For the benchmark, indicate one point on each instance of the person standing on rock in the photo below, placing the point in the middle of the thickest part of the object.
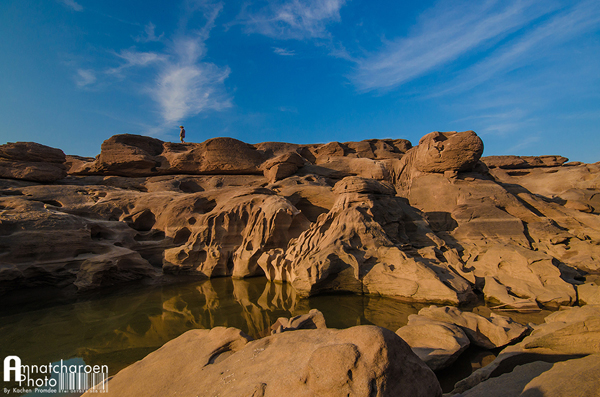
(181, 134)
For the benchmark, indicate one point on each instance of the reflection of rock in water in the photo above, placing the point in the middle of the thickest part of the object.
(388, 313)
(120, 328)
(251, 305)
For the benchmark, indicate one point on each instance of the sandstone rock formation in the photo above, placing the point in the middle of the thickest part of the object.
(566, 334)
(437, 343)
(32, 162)
(312, 320)
(358, 361)
(429, 223)
(541, 378)
(438, 335)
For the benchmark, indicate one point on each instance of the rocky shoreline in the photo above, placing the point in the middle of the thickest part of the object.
(435, 223)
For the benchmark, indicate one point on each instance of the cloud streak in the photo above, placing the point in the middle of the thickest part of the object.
(283, 51)
(72, 4)
(85, 77)
(149, 34)
(445, 33)
(186, 85)
(531, 46)
(296, 19)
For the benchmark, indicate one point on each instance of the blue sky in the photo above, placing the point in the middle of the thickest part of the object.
(523, 74)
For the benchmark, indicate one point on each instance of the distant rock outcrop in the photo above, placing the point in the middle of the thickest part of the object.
(430, 223)
(31, 161)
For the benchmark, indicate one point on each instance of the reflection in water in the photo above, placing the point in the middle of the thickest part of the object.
(121, 328)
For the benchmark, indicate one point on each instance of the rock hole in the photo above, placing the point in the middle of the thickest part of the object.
(373, 388)
(143, 221)
(182, 255)
(219, 356)
(118, 244)
(182, 236)
(202, 205)
(192, 221)
(100, 233)
(230, 264)
(190, 187)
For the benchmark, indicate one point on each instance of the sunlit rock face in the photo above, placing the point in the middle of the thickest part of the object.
(566, 336)
(359, 361)
(430, 223)
(361, 245)
(32, 161)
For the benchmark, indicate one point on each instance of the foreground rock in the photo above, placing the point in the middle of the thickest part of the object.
(438, 335)
(359, 361)
(566, 334)
(541, 378)
(437, 343)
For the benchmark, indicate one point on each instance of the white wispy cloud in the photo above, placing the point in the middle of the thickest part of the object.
(181, 83)
(134, 58)
(531, 46)
(446, 32)
(524, 143)
(85, 77)
(149, 34)
(296, 19)
(187, 86)
(72, 4)
(283, 51)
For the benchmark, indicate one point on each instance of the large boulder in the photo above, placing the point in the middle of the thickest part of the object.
(448, 151)
(31, 161)
(360, 361)
(495, 331)
(42, 246)
(437, 343)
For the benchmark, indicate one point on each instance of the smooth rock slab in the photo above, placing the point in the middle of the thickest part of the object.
(437, 343)
(359, 361)
(488, 333)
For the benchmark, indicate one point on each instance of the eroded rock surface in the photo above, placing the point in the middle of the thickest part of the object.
(566, 334)
(31, 161)
(430, 223)
(359, 361)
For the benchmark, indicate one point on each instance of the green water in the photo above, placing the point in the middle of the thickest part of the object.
(121, 327)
